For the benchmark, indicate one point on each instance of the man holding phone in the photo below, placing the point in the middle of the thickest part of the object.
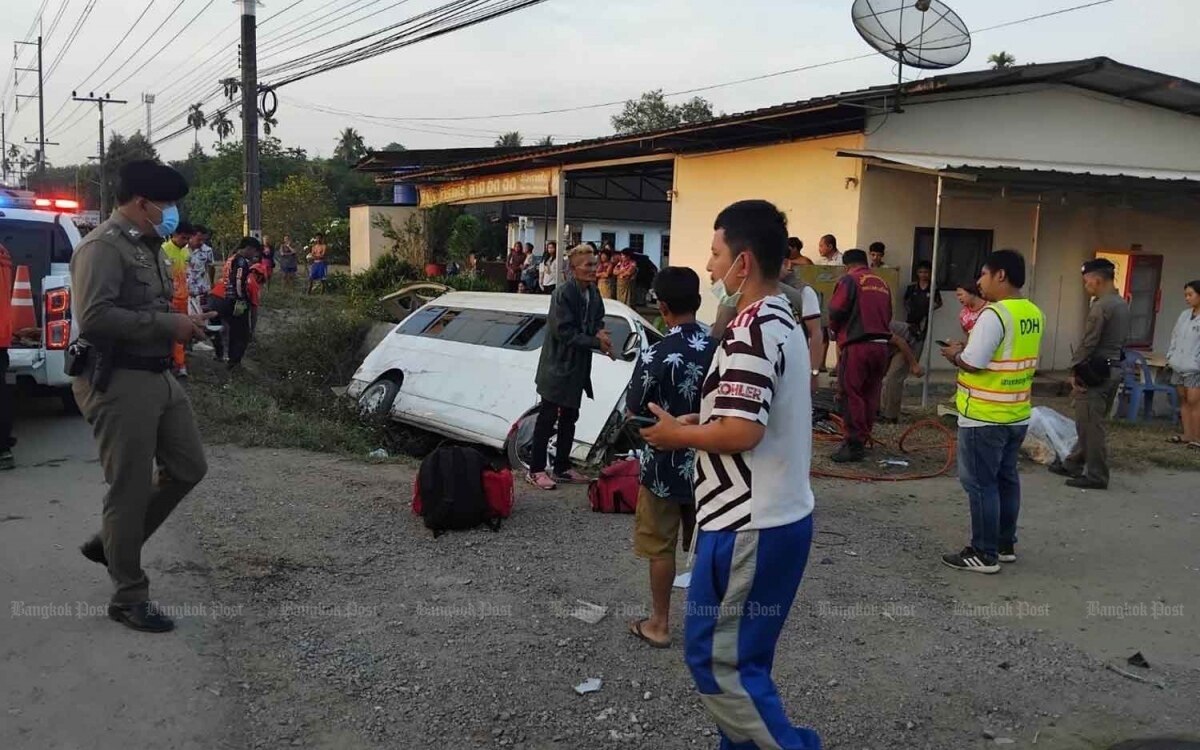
(669, 375)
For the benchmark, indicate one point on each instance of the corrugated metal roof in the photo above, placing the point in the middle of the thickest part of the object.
(968, 164)
(1100, 74)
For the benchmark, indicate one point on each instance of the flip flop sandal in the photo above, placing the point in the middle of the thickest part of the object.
(1194, 445)
(1175, 439)
(635, 629)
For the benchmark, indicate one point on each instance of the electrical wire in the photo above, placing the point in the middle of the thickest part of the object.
(62, 10)
(83, 17)
(948, 444)
(100, 86)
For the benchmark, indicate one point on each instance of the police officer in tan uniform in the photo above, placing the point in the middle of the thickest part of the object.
(140, 415)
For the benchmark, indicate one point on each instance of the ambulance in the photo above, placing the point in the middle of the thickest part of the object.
(40, 236)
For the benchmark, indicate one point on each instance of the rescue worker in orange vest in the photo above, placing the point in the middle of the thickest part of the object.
(860, 318)
(175, 248)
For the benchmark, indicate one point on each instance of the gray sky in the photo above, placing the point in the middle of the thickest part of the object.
(563, 53)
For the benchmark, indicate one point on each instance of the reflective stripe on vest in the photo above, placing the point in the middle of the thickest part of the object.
(1001, 393)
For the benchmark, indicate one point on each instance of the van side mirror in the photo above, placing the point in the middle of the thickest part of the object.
(633, 345)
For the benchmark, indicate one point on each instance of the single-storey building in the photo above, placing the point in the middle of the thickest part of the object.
(1060, 161)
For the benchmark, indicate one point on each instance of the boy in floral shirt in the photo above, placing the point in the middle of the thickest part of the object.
(669, 374)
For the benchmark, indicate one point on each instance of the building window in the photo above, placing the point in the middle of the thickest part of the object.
(666, 250)
(637, 242)
(610, 239)
(960, 256)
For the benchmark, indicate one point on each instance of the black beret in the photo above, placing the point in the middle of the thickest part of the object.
(152, 181)
(854, 257)
(1101, 265)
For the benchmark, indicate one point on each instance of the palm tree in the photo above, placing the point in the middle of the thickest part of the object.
(1001, 60)
(268, 122)
(220, 122)
(547, 141)
(230, 87)
(196, 119)
(350, 146)
(509, 140)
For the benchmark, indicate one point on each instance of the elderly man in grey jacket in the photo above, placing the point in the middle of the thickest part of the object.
(574, 327)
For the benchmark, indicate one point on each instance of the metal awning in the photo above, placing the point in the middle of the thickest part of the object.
(977, 167)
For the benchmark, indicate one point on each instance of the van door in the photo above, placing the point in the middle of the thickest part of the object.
(610, 380)
(469, 372)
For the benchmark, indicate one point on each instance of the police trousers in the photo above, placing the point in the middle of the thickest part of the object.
(143, 418)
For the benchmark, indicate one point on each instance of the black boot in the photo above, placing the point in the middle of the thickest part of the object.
(143, 617)
(849, 452)
(93, 549)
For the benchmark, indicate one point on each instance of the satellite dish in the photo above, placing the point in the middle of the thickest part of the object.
(917, 33)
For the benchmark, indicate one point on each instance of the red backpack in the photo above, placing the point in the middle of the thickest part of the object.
(616, 491)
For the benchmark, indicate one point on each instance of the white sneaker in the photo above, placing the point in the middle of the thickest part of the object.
(202, 346)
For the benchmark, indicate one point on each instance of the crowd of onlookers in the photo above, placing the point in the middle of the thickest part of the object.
(616, 272)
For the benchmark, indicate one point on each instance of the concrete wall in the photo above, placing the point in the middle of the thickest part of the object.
(1073, 228)
(367, 242)
(805, 179)
(1052, 123)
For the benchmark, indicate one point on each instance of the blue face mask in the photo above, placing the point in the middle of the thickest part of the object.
(170, 220)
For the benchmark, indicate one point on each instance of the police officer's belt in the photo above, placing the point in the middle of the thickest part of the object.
(123, 361)
(1096, 371)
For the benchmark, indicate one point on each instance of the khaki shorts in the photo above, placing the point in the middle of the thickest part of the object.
(657, 523)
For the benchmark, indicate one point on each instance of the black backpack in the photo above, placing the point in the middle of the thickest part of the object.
(450, 481)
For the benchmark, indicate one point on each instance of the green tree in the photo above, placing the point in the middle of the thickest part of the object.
(350, 146)
(300, 206)
(196, 119)
(509, 140)
(547, 141)
(463, 237)
(652, 112)
(221, 123)
(1001, 60)
(394, 146)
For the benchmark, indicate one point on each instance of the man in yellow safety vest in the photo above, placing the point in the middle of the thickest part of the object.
(995, 381)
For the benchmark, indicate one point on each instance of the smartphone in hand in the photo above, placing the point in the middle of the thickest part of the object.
(642, 421)
(942, 343)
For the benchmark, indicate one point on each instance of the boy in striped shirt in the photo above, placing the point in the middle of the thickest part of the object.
(754, 503)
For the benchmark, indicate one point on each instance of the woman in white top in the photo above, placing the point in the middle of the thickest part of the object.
(548, 278)
(1184, 360)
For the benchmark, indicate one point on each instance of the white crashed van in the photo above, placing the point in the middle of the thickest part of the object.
(463, 366)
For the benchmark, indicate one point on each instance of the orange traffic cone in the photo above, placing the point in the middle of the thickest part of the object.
(22, 301)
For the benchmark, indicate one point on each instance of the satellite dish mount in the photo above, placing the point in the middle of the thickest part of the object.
(923, 34)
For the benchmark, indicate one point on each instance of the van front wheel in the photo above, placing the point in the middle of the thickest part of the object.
(377, 399)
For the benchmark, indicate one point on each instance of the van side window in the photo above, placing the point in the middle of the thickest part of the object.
(530, 335)
(420, 321)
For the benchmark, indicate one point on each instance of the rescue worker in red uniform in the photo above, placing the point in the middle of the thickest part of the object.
(860, 317)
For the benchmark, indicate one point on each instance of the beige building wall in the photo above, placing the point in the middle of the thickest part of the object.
(1073, 228)
(367, 243)
(806, 179)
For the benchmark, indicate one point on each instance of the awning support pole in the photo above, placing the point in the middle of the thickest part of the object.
(1037, 234)
(933, 293)
(561, 240)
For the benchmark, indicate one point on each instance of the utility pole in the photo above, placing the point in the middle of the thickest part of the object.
(3, 147)
(148, 99)
(101, 101)
(41, 153)
(252, 201)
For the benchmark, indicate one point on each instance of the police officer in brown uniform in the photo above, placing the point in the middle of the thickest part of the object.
(138, 412)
